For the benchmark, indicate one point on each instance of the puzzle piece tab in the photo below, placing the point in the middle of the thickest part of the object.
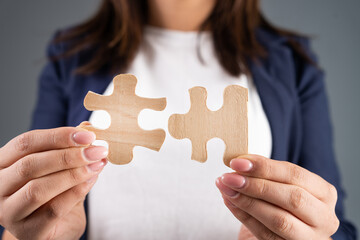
(124, 107)
(230, 123)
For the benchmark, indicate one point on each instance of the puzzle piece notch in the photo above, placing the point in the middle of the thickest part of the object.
(200, 124)
(124, 132)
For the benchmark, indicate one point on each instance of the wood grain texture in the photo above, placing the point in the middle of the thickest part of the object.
(229, 123)
(124, 107)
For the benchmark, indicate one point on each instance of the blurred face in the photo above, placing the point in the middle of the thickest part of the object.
(186, 15)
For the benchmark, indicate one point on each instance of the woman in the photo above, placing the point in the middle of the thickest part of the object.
(165, 195)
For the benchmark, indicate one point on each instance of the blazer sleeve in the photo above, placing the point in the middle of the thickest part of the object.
(51, 109)
(317, 153)
(51, 106)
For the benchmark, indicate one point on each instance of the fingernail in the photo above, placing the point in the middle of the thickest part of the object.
(95, 153)
(233, 180)
(226, 190)
(241, 165)
(97, 166)
(84, 137)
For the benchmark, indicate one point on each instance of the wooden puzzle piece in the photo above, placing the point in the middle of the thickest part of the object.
(200, 124)
(124, 107)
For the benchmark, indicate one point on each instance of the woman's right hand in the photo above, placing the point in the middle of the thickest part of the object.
(44, 178)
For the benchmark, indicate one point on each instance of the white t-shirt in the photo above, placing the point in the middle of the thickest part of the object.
(165, 194)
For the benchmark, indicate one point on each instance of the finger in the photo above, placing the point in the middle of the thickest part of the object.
(40, 164)
(246, 234)
(39, 191)
(257, 228)
(284, 172)
(277, 220)
(43, 140)
(58, 208)
(8, 236)
(84, 124)
(292, 198)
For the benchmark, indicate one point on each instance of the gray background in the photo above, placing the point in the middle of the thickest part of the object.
(26, 26)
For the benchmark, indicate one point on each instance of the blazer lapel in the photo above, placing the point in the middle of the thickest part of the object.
(274, 78)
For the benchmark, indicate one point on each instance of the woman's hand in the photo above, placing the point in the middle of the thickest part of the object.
(244, 234)
(44, 178)
(279, 200)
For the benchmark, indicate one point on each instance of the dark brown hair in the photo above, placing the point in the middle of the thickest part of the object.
(115, 33)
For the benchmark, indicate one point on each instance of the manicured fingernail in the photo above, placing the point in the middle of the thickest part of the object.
(95, 153)
(84, 137)
(233, 180)
(241, 165)
(97, 166)
(226, 190)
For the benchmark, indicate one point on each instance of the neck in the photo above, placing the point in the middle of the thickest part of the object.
(182, 15)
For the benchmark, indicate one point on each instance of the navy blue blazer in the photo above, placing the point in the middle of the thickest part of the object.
(291, 90)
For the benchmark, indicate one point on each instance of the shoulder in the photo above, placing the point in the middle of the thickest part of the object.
(63, 64)
(59, 52)
(290, 59)
(274, 41)
(295, 48)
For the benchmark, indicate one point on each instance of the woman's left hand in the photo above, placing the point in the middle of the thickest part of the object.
(279, 200)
